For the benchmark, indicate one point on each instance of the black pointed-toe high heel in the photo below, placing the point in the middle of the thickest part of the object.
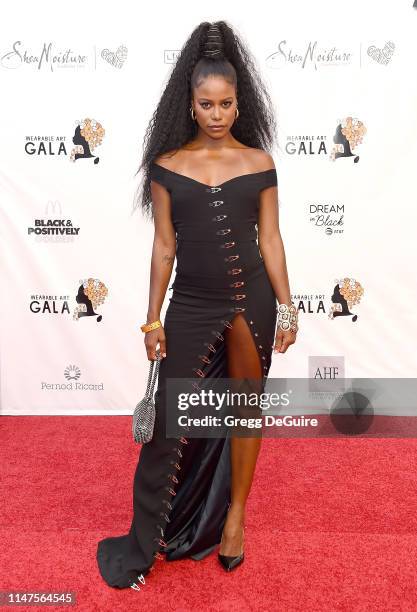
(229, 563)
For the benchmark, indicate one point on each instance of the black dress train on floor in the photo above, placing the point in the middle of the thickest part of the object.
(181, 489)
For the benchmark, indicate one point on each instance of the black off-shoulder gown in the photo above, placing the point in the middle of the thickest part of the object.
(181, 489)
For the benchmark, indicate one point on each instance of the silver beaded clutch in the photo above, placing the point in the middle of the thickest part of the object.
(144, 414)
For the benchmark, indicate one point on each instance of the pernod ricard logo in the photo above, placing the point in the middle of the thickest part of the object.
(347, 136)
(88, 135)
(72, 372)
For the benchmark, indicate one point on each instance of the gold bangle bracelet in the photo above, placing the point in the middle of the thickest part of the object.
(150, 326)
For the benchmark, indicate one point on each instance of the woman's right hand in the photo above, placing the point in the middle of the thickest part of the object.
(152, 338)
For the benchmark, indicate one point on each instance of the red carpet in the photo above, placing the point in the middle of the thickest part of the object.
(331, 523)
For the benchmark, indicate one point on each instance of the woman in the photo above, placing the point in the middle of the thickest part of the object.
(210, 181)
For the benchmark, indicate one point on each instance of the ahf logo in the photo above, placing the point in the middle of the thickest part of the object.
(326, 367)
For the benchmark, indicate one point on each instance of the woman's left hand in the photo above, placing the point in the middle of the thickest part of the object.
(284, 339)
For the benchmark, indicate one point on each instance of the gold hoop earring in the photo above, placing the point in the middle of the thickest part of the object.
(192, 110)
(237, 113)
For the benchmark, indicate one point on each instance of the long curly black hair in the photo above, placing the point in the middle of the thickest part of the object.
(212, 49)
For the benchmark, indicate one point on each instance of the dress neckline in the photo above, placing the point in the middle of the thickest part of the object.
(189, 178)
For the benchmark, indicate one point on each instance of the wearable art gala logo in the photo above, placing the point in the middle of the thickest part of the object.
(88, 135)
(348, 134)
(346, 294)
(91, 294)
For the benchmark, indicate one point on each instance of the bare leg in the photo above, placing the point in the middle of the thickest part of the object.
(243, 362)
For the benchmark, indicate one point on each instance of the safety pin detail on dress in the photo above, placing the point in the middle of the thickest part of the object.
(170, 490)
(238, 296)
(205, 359)
(141, 579)
(226, 323)
(235, 271)
(199, 371)
(217, 334)
(161, 542)
(214, 189)
(260, 346)
(210, 347)
(219, 218)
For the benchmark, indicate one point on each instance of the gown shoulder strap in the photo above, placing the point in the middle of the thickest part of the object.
(269, 178)
(160, 175)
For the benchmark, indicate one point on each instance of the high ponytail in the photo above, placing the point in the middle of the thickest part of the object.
(213, 49)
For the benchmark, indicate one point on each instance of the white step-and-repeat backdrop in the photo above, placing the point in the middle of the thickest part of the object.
(343, 81)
